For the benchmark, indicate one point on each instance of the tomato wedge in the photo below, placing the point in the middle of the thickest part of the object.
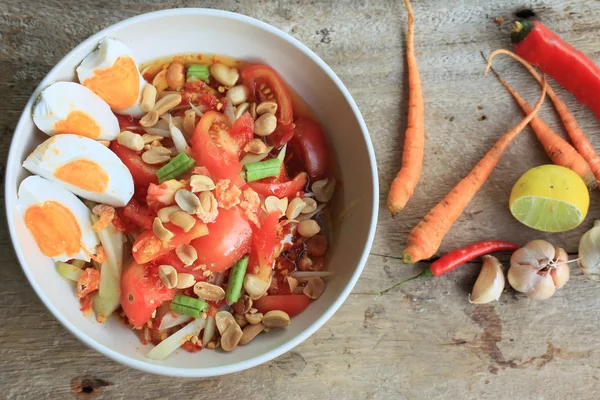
(143, 174)
(264, 240)
(287, 189)
(148, 247)
(242, 130)
(215, 148)
(136, 214)
(292, 304)
(142, 292)
(310, 145)
(265, 84)
(228, 241)
(282, 135)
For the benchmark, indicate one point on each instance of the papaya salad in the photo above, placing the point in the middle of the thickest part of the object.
(187, 197)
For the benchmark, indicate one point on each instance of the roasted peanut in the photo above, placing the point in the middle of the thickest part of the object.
(168, 276)
(308, 228)
(156, 155)
(266, 107)
(150, 119)
(265, 124)
(183, 220)
(187, 254)
(131, 140)
(176, 75)
(276, 319)
(160, 231)
(148, 98)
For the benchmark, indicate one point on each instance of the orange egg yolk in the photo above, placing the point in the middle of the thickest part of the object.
(118, 85)
(84, 174)
(54, 228)
(79, 123)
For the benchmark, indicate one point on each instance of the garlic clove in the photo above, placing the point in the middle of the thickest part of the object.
(536, 253)
(544, 289)
(490, 282)
(560, 274)
(523, 278)
(589, 252)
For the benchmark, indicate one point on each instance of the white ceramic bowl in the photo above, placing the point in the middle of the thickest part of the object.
(170, 32)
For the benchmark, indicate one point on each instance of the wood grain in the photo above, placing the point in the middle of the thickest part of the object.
(424, 341)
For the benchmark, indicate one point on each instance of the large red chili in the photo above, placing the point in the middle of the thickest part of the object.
(565, 64)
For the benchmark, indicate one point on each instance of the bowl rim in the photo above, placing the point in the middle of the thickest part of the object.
(13, 164)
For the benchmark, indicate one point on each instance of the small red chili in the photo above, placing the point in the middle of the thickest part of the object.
(457, 258)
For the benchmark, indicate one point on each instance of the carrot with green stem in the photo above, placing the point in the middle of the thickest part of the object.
(580, 141)
(405, 182)
(425, 238)
(558, 149)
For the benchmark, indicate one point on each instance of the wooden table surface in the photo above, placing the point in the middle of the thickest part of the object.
(424, 341)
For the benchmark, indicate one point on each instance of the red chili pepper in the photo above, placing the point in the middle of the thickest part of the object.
(565, 64)
(457, 258)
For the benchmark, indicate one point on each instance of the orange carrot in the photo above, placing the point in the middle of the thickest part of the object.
(558, 149)
(405, 182)
(425, 238)
(580, 141)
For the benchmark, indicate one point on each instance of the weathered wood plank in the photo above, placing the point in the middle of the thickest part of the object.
(422, 341)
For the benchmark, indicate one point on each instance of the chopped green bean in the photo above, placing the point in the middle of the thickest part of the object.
(263, 169)
(176, 167)
(198, 71)
(236, 279)
(188, 305)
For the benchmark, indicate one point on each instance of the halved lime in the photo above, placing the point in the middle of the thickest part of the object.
(550, 198)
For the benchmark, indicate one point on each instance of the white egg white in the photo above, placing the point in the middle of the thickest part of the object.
(104, 57)
(59, 150)
(35, 190)
(60, 99)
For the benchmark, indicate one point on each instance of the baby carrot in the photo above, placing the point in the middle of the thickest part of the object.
(405, 182)
(580, 141)
(559, 150)
(425, 238)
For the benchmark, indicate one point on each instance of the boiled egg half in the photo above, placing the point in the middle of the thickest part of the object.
(111, 72)
(59, 222)
(68, 107)
(83, 166)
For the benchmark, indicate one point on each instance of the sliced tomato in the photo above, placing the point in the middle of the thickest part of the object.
(310, 145)
(287, 189)
(148, 247)
(264, 240)
(143, 174)
(228, 240)
(282, 135)
(215, 148)
(136, 214)
(265, 84)
(242, 130)
(292, 304)
(142, 292)
(172, 259)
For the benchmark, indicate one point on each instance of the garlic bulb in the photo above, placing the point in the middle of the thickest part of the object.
(538, 269)
(589, 252)
(490, 282)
